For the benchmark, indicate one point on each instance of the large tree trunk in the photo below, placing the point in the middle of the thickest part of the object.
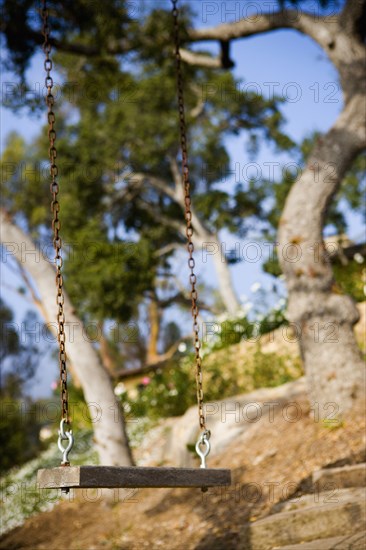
(324, 318)
(108, 423)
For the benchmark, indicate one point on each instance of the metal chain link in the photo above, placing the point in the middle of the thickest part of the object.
(55, 209)
(188, 218)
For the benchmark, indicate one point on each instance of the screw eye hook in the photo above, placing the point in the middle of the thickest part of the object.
(65, 436)
(203, 441)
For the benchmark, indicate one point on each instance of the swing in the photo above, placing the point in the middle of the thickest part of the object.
(65, 476)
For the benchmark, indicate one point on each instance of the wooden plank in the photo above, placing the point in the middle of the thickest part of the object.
(89, 477)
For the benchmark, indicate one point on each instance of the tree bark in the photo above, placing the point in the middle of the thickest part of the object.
(224, 279)
(152, 353)
(324, 318)
(109, 429)
(105, 352)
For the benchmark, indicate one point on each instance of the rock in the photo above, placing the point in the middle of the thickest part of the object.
(311, 519)
(333, 495)
(230, 419)
(349, 542)
(347, 476)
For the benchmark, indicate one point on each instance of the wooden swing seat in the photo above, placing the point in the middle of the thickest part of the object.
(96, 477)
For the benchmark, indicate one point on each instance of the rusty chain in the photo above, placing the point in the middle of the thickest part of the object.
(56, 225)
(55, 209)
(188, 218)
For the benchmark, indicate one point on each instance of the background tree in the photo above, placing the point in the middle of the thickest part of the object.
(133, 183)
(109, 429)
(334, 369)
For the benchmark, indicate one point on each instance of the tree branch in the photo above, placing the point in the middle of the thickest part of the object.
(177, 177)
(116, 47)
(166, 249)
(158, 183)
(353, 18)
(158, 363)
(316, 27)
(169, 222)
(200, 60)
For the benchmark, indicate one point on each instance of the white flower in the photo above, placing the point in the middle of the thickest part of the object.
(119, 389)
(255, 287)
(247, 307)
(281, 302)
(222, 317)
(133, 393)
(182, 347)
(45, 433)
(358, 258)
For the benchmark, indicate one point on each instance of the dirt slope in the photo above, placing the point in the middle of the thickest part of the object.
(271, 461)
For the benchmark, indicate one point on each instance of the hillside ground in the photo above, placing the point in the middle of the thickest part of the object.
(271, 462)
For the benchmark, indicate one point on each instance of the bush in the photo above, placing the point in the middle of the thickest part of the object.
(18, 434)
(227, 372)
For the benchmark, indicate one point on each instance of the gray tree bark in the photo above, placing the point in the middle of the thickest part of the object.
(108, 423)
(211, 246)
(323, 318)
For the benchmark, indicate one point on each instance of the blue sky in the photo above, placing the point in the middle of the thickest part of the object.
(284, 61)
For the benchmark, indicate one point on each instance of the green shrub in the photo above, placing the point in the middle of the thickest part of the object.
(172, 390)
(18, 434)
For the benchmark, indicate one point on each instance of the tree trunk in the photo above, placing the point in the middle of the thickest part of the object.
(105, 352)
(109, 429)
(324, 318)
(224, 279)
(152, 352)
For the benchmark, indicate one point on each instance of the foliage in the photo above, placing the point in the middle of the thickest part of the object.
(107, 279)
(351, 279)
(124, 122)
(97, 33)
(10, 345)
(78, 409)
(233, 331)
(163, 394)
(171, 391)
(18, 362)
(18, 433)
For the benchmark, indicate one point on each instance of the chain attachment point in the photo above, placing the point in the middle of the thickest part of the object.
(203, 441)
(65, 436)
